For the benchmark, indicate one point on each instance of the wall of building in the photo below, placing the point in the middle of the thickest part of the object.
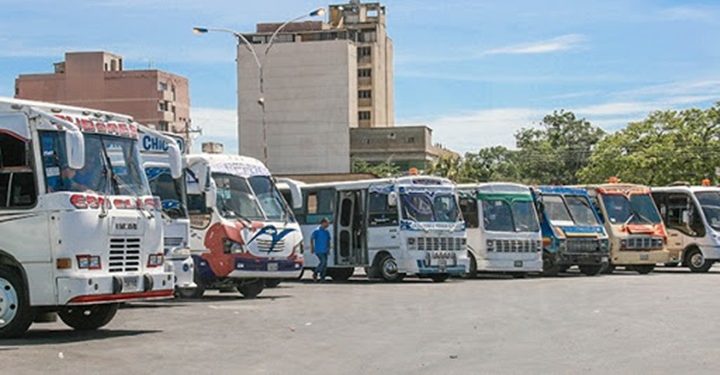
(405, 146)
(310, 101)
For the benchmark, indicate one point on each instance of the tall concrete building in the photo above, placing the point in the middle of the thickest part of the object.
(98, 80)
(320, 80)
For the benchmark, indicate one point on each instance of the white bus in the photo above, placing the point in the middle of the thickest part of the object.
(502, 228)
(173, 203)
(241, 230)
(692, 217)
(79, 228)
(392, 227)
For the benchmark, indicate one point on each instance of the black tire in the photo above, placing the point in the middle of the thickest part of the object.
(518, 275)
(591, 270)
(472, 271)
(251, 288)
(609, 269)
(192, 293)
(696, 262)
(643, 269)
(14, 304)
(341, 274)
(440, 277)
(672, 264)
(272, 283)
(387, 269)
(90, 317)
(550, 265)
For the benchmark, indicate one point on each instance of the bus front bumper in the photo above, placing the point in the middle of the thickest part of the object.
(625, 257)
(183, 270)
(582, 259)
(89, 289)
(267, 269)
(510, 265)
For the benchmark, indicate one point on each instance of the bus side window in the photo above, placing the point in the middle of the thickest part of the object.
(379, 213)
(469, 208)
(679, 205)
(18, 188)
(318, 205)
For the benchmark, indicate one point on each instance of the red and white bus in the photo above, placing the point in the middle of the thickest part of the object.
(80, 231)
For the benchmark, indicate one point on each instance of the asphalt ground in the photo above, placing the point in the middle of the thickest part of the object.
(665, 322)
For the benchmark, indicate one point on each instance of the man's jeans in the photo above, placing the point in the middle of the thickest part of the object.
(321, 268)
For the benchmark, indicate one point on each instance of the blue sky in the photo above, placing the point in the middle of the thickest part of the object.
(476, 71)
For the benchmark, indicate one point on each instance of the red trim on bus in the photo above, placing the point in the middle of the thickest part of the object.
(122, 296)
(13, 134)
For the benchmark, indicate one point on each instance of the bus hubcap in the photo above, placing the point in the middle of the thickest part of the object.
(390, 267)
(697, 260)
(8, 302)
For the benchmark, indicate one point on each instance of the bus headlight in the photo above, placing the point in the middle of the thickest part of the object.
(299, 248)
(155, 260)
(89, 262)
(411, 243)
(232, 247)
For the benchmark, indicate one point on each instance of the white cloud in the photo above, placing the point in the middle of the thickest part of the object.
(218, 125)
(557, 44)
(687, 13)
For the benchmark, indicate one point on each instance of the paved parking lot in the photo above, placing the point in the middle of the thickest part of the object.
(661, 323)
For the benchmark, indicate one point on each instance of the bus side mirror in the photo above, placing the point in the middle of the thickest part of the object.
(392, 199)
(540, 207)
(211, 195)
(686, 217)
(75, 149)
(176, 169)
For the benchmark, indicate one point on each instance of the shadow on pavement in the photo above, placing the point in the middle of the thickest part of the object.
(222, 297)
(51, 337)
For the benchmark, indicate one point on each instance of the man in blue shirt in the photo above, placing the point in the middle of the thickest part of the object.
(320, 246)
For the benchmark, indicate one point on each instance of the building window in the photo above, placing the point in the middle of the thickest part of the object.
(364, 115)
(411, 140)
(163, 126)
(163, 106)
(364, 72)
(368, 36)
(162, 86)
(17, 90)
(364, 94)
(364, 52)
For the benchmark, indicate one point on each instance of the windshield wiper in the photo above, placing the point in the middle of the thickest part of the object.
(421, 225)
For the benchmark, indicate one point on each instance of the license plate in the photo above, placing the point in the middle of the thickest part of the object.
(272, 267)
(518, 263)
(126, 226)
(442, 264)
(130, 283)
(644, 257)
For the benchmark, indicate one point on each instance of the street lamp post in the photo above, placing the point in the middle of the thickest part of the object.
(241, 39)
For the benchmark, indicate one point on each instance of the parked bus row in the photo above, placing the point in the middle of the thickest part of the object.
(96, 210)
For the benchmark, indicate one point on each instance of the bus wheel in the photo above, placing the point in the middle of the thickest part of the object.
(472, 268)
(341, 274)
(642, 269)
(251, 288)
(15, 312)
(88, 318)
(192, 293)
(609, 269)
(696, 261)
(272, 283)
(591, 270)
(388, 269)
(550, 265)
(439, 278)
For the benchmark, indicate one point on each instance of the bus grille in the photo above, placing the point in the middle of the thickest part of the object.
(124, 255)
(514, 246)
(172, 242)
(641, 243)
(441, 243)
(582, 245)
(265, 246)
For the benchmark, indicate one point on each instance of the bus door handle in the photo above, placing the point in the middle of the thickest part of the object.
(674, 235)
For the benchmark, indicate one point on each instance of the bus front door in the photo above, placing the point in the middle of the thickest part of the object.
(350, 231)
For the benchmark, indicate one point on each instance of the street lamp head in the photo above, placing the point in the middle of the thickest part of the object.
(199, 30)
(319, 12)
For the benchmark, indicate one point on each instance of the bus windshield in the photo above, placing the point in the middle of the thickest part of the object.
(580, 210)
(171, 191)
(235, 199)
(425, 207)
(509, 216)
(639, 209)
(271, 202)
(112, 166)
(710, 204)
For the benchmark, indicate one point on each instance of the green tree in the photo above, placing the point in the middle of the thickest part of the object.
(384, 169)
(667, 146)
(497, 163)
(557, 150)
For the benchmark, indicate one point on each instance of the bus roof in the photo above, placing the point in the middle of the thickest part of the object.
(497, 187)
(685, 189)
(13, 105)
(621, 188)
(560, 190)
(404, 180)
(243, 166)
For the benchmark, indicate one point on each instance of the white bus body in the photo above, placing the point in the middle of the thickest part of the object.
(241, 230)
(502, 228)
(171, 191)
(79, 231)
(375, 224)
(692, 219)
